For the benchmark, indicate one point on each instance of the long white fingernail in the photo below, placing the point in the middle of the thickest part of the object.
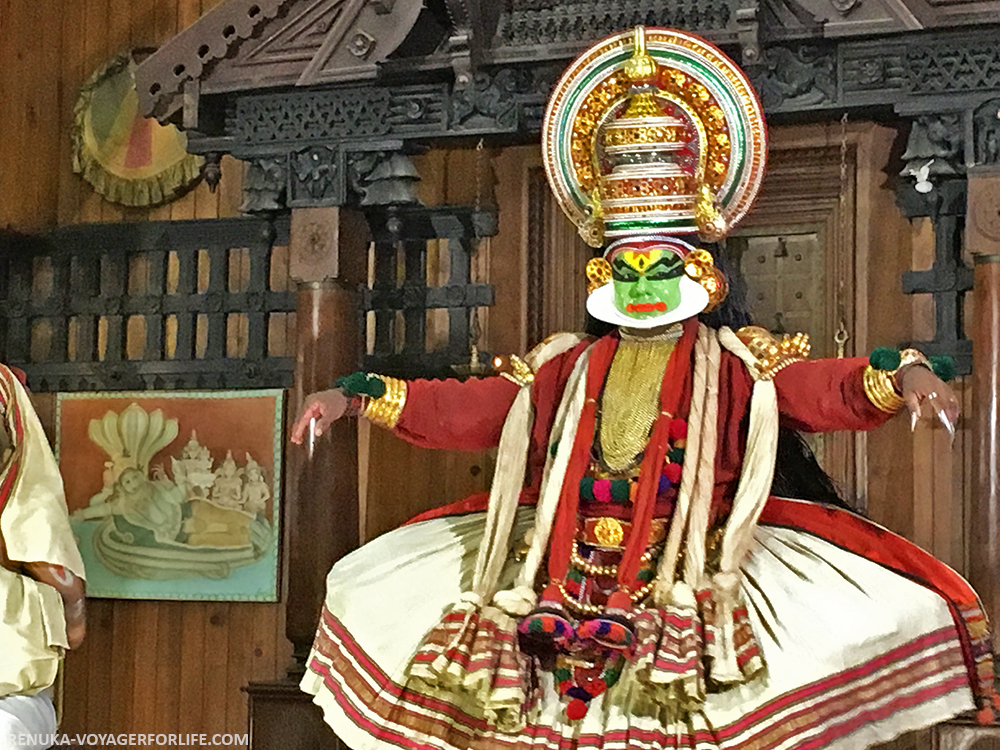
(943, 416)
(312, 437)
(913, 421)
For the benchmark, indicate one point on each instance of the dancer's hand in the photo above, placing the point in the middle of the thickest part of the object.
(920, 385)
(325, 407)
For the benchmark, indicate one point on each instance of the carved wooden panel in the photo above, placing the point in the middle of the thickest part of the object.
(949, 12)
(787, 281)
(318, 42)
(163, 305)
(797, 248)
(538, 29)
(982, 230)
(405, 339)
(186, 55)
(986, 129)
(287, 41)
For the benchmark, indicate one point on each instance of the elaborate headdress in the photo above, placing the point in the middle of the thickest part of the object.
(654, 132)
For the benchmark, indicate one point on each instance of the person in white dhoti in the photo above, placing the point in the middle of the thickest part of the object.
(41, 574)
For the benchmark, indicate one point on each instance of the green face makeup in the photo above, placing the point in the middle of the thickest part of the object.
(646, 283)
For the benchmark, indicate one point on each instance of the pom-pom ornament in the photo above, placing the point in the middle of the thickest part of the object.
(678, 429)
(943, 366)
(361, 384)
(672, 472)
(576, 710)
(884, 358)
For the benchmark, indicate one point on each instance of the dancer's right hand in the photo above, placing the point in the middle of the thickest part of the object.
(325, 407)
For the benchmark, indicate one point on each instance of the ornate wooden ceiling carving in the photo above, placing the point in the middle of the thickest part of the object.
(472, 68)
(311, 94)
(247, 44)
(184, 57)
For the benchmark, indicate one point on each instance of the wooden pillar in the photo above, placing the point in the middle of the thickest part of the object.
(983, 239)
(328, 257)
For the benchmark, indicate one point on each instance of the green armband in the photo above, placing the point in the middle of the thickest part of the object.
(361, 384)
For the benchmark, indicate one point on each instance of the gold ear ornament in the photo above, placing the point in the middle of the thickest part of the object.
(592, 229)
(598, 274)
(700, 266)
(712, 225)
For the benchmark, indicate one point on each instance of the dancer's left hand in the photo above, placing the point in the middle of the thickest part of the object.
(919, 385)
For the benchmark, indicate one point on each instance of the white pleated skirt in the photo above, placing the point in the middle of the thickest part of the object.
(855, 654)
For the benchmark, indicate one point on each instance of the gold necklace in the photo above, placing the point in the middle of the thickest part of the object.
(631, 399)
(592, 609)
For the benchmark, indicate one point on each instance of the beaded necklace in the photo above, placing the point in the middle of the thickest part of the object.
(621, 490)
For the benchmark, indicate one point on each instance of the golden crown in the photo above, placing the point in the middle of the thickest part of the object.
(654, 131)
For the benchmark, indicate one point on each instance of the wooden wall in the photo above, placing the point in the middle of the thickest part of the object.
(48, 48)
(146, 666)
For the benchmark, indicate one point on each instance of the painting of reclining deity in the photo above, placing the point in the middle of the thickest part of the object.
(174, 495)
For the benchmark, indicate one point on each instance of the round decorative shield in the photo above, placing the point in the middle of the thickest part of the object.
(127, 158)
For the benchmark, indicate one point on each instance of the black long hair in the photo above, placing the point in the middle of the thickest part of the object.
(797, 473)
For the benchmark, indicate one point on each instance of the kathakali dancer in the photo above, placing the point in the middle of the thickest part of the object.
(635, 580)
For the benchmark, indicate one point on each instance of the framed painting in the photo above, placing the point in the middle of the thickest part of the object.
(174, 495)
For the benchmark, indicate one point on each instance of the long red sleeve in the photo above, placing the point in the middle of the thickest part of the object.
(824, 395)
(470, 415)
(454, 414)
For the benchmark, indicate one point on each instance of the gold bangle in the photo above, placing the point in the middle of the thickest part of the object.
(912, 357)
(881, 389)
(909, 357)
(385, 410)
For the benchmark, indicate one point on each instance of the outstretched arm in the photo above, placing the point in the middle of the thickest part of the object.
(450, 414)
(825, 395)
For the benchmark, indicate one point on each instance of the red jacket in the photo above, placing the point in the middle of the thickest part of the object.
(813, 396)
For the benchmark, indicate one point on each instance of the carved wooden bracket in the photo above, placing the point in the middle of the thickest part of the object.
(297, 43)
(184, 57)
(940, 150)
(949, 279)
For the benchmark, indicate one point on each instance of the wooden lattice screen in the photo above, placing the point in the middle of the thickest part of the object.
(149, 305)
(407, 336)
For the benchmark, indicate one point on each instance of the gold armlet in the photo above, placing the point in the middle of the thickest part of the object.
(385, 410)
(881, 389)
(520, 371)
(773, 354)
